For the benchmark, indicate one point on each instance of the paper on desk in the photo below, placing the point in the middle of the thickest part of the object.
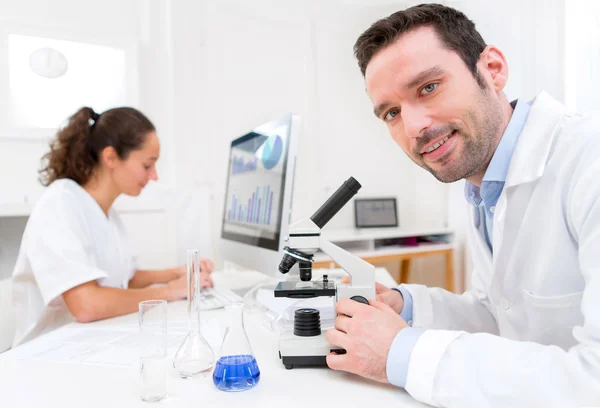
(108, 346)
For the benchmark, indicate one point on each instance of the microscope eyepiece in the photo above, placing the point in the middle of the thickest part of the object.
(335, 203)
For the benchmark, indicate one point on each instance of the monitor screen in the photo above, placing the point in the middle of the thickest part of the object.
(375, 212)
(254, 198)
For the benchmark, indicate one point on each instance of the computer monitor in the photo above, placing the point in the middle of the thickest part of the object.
(258, 195)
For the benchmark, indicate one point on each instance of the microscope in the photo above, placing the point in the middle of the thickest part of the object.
(306, 344)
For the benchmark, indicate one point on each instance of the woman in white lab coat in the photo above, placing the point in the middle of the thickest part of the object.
(75, 261)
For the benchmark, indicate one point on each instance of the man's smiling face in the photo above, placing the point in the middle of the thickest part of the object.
(444, 119)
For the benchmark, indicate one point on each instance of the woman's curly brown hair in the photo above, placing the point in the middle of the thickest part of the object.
(76, 150)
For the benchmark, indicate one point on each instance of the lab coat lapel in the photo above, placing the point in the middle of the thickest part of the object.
(535, 141)
(527, 165)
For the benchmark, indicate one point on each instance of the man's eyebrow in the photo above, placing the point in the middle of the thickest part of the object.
(380, 108)
(425, 75)
(417, 80)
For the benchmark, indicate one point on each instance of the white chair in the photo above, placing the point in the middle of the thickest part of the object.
(7, 318)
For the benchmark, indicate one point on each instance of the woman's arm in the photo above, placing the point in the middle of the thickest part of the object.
(89, 301)
(145, 278)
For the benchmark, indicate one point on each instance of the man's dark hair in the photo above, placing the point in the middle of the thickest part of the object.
(454, 29)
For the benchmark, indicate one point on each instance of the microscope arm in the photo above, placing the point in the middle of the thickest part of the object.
(362, 273)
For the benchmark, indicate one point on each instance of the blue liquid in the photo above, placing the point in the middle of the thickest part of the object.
(236, 373)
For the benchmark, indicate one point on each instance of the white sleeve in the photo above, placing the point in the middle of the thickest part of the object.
(436, 308)
(59, 248)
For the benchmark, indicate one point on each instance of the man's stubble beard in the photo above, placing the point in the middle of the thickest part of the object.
(477, 148)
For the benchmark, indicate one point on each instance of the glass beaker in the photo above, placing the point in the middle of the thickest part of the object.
(236, 368)
(195, 356)
(153, 353)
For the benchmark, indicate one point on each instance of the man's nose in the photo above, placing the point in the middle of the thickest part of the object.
(154, 175)
(416, 120)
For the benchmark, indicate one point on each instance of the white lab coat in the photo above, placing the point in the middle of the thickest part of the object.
(68, 241)
(540, 292)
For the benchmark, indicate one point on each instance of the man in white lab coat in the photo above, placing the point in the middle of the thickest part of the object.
(527, 334)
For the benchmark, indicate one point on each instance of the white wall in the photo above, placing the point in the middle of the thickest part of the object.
(238, 65)
(582, 59)
(209, 71)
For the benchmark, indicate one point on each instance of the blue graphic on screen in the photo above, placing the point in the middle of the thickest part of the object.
(242, 165)
(256, 210)
(272, 151)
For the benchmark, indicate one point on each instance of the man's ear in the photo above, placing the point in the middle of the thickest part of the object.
(493, 66)
(109, 157)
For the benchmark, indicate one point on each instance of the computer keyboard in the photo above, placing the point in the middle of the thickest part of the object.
(217, 297)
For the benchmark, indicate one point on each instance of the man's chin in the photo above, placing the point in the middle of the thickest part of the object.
(446, 175)
(447, 180)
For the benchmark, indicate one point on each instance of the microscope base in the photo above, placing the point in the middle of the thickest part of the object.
(303, 361)
(298, 351)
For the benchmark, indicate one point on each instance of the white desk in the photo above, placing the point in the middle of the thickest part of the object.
(36, 383)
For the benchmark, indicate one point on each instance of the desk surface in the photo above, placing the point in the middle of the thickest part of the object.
(36, 383)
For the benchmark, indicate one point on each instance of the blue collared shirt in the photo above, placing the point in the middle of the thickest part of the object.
(484, 199)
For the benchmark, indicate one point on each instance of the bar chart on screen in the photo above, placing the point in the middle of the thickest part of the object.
(255, 179)
(255, 209)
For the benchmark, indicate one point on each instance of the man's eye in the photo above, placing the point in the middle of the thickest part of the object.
(147, 167)
(391, 114)
(427, 89)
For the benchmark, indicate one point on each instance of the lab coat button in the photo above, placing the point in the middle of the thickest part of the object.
(493, 208)
(504, 304)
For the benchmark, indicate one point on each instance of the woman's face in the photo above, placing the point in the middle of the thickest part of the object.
(132, 174)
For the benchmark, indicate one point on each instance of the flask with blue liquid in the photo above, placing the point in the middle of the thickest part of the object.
(236, 368)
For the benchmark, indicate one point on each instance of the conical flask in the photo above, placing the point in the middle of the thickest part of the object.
(236, 368)
(194, 356)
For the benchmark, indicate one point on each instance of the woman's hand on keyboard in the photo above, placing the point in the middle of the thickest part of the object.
(205, 280)
(206, 265)
(177, 289)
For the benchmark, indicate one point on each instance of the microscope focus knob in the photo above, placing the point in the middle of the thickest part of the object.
(360, 299)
